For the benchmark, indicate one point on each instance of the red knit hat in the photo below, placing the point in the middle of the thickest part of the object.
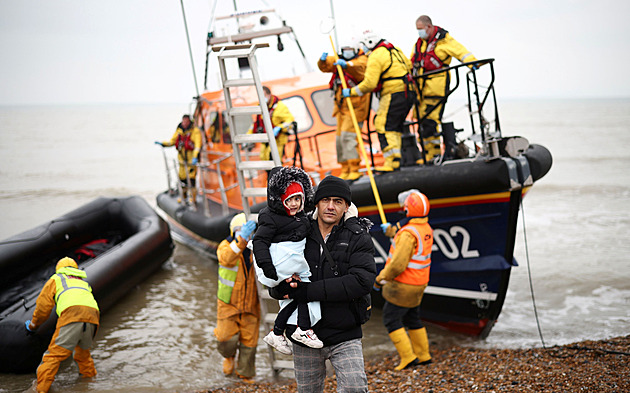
(293, 189)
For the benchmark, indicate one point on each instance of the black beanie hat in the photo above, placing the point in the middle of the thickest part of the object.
(333, 186)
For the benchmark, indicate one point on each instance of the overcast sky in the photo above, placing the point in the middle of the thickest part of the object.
(135, 51)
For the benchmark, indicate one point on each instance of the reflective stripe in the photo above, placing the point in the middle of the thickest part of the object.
(465, 56)
(227, 279)
(421, 258)
(67, 279)
(234, 247)
(64, 284)
(417, 266)
(391, 151)
(226, 282)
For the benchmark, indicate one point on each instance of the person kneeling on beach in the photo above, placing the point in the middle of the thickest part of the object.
(279, 252)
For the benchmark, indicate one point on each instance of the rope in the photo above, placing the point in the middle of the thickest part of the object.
(531, 288)
(192, 62)
(529, 273)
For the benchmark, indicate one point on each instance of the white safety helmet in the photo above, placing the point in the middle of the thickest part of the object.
(349, 50)
(370, 39)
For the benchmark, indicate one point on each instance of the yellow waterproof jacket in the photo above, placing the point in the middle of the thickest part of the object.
(356, 68)
(244, 297)
(395, 292)
(75, 313)
(445, 49)
(194, 135)
(280, 117)
(378, 61)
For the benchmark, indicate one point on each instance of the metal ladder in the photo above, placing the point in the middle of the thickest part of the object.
(248, 51)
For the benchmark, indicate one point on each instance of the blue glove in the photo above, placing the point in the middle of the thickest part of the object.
(475, 67)
(384, 226)
(342, 63)
(376, 287)
(345, 93)
(158, 143)
(195, 161)
(324, 56)
(28, 326)
(276, 130)
(247, 229)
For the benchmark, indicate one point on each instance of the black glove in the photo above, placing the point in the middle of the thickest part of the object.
(299, 295)
(270, 272)
(283, 288)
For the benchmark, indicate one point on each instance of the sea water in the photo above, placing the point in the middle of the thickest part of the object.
(572, 242)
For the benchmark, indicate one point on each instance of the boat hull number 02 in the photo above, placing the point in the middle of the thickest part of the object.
(445, 242)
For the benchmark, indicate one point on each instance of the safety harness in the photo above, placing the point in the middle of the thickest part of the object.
(259, 126)
(335, 82)
(393, 51)
(428, 60)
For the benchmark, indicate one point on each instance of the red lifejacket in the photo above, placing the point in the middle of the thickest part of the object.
(259, 126)
(428, 60)
(390, 47)
(335, 81)
(184, 141)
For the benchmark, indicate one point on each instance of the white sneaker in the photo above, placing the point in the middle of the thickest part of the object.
(307, 337)
(280, 343)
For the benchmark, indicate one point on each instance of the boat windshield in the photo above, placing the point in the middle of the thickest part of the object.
(299, 110)
(324, 101)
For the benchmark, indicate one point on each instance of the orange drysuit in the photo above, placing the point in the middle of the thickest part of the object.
(76, 326)
(238, 321)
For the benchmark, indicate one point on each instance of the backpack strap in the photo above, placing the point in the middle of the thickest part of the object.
(321, 241)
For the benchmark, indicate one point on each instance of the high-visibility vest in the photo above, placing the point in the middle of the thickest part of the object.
(417, 272)
(227, 278)
(72, 289)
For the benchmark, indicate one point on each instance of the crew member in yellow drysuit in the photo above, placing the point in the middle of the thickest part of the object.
(281, 120)
(404, 279)
(353, 61)
(238, 308)
(388, 73)
(187, 140)
(434, 49)
(78, 317)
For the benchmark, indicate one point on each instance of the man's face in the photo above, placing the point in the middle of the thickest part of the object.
(331, 210)
(185, 122)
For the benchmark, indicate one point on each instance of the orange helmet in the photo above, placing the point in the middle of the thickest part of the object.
(416, 204)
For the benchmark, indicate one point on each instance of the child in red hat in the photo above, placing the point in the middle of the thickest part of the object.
(279, 252)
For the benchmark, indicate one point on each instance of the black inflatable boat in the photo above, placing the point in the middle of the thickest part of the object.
(119, 242)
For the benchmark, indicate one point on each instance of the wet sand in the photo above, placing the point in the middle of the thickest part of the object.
(591, 366)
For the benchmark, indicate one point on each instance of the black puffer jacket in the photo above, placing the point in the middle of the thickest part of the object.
(351, 247)
(274, 224)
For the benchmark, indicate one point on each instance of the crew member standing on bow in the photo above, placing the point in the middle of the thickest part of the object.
(353, 61)
(238, 307)
(404, 279)
(78, 316)
(434, 49)
(187, 140)
(388, 73)
(281, 121)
